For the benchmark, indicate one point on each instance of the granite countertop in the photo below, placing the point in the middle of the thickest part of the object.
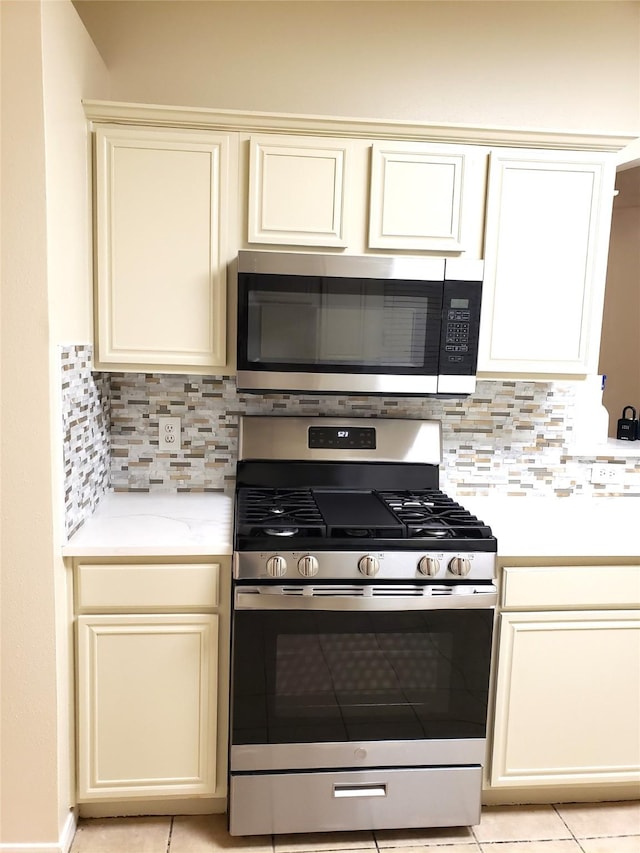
(129, 524)
(196, 524)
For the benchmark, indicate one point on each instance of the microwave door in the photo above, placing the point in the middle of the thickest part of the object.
(338, 334)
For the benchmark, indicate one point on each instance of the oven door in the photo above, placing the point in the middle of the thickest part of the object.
(373, 676)
(338, 334)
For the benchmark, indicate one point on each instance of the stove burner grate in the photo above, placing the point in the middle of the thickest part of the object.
(351, 515)
(434, 514)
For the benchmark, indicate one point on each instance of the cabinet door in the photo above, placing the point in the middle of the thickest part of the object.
(297, 191)
(547, 233)
(425, 196)
(567, 699)
(162, 212)
(146, 706)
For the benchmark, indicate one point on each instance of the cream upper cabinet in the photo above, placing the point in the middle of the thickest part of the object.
(547, 233)
(567, 700)
(164, 202)
(426, 196)
(297, 190)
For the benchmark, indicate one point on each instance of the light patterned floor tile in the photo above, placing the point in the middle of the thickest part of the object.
(407, 838)
(630, 844)
(324, 841)
(564, 846)
(520, 823)
(117, 835)
(444, 847)
(590, 820)
(208, 834)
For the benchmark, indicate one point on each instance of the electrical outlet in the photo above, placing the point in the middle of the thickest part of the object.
(169, 434)
(606, 474)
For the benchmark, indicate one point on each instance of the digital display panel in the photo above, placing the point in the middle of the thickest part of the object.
(459, 303)
(347, 438)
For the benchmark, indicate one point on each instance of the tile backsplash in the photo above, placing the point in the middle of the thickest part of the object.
(513, 437)
(85, 434)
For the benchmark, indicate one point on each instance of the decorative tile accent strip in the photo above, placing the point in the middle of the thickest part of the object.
(85, 415)
(508, 436)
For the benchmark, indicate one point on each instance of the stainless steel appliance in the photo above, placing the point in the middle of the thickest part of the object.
(358, 324)
(362, 626)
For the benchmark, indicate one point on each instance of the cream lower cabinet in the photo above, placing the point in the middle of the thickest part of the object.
(151, 703)
(546, 244)
(164, 212)
(147, 707)
(567, 705)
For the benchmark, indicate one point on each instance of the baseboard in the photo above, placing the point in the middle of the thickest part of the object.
(63, 845)
(560, 794)
(132, 808)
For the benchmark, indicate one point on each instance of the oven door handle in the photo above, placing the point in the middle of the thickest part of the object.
(449, 598)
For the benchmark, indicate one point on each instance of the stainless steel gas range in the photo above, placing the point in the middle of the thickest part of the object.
(362, 626)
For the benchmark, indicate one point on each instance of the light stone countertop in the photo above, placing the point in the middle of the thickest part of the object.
(196, 524)
(129, 524)
(561, 527)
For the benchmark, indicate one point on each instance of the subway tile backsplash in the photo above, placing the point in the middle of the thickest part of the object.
(512, 437)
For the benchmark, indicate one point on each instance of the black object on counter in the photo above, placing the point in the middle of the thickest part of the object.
(628, 428)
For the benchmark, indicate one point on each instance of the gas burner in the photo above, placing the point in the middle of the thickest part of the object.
(281, 531)
(434, 532)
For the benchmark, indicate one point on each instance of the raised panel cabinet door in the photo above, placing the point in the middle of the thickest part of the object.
(162, 212)
(547, 233)
(567, 699)
(146, 706)
(425, 196)
(297, 191)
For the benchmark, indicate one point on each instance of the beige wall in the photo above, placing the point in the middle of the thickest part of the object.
(44, 269)
(29, 737)
(561, 65)
(620, 349)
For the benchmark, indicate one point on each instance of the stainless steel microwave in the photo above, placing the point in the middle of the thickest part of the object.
(357, 324)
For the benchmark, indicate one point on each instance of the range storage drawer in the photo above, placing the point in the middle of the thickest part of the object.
(147, 587)
(571, 587)
(371, 799)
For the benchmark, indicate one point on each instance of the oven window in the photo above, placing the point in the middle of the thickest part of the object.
(335, 677)
(349, 324)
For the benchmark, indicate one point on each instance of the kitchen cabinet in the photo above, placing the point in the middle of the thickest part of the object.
(152, 679)
(567, 699)
(547, 233)
(426, 197)
(297, 190)
(360, 194)
(164, 211)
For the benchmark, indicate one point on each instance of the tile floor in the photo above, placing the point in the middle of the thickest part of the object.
(569, 828)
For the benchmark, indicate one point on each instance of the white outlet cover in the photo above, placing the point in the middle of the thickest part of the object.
(169, 434)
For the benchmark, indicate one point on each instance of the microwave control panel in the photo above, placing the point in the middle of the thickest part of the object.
(460, 327)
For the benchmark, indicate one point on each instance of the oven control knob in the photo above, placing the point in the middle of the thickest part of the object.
(369, 565)
(276, 566)
(429, 566)
(459, 566)
(308, 567)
